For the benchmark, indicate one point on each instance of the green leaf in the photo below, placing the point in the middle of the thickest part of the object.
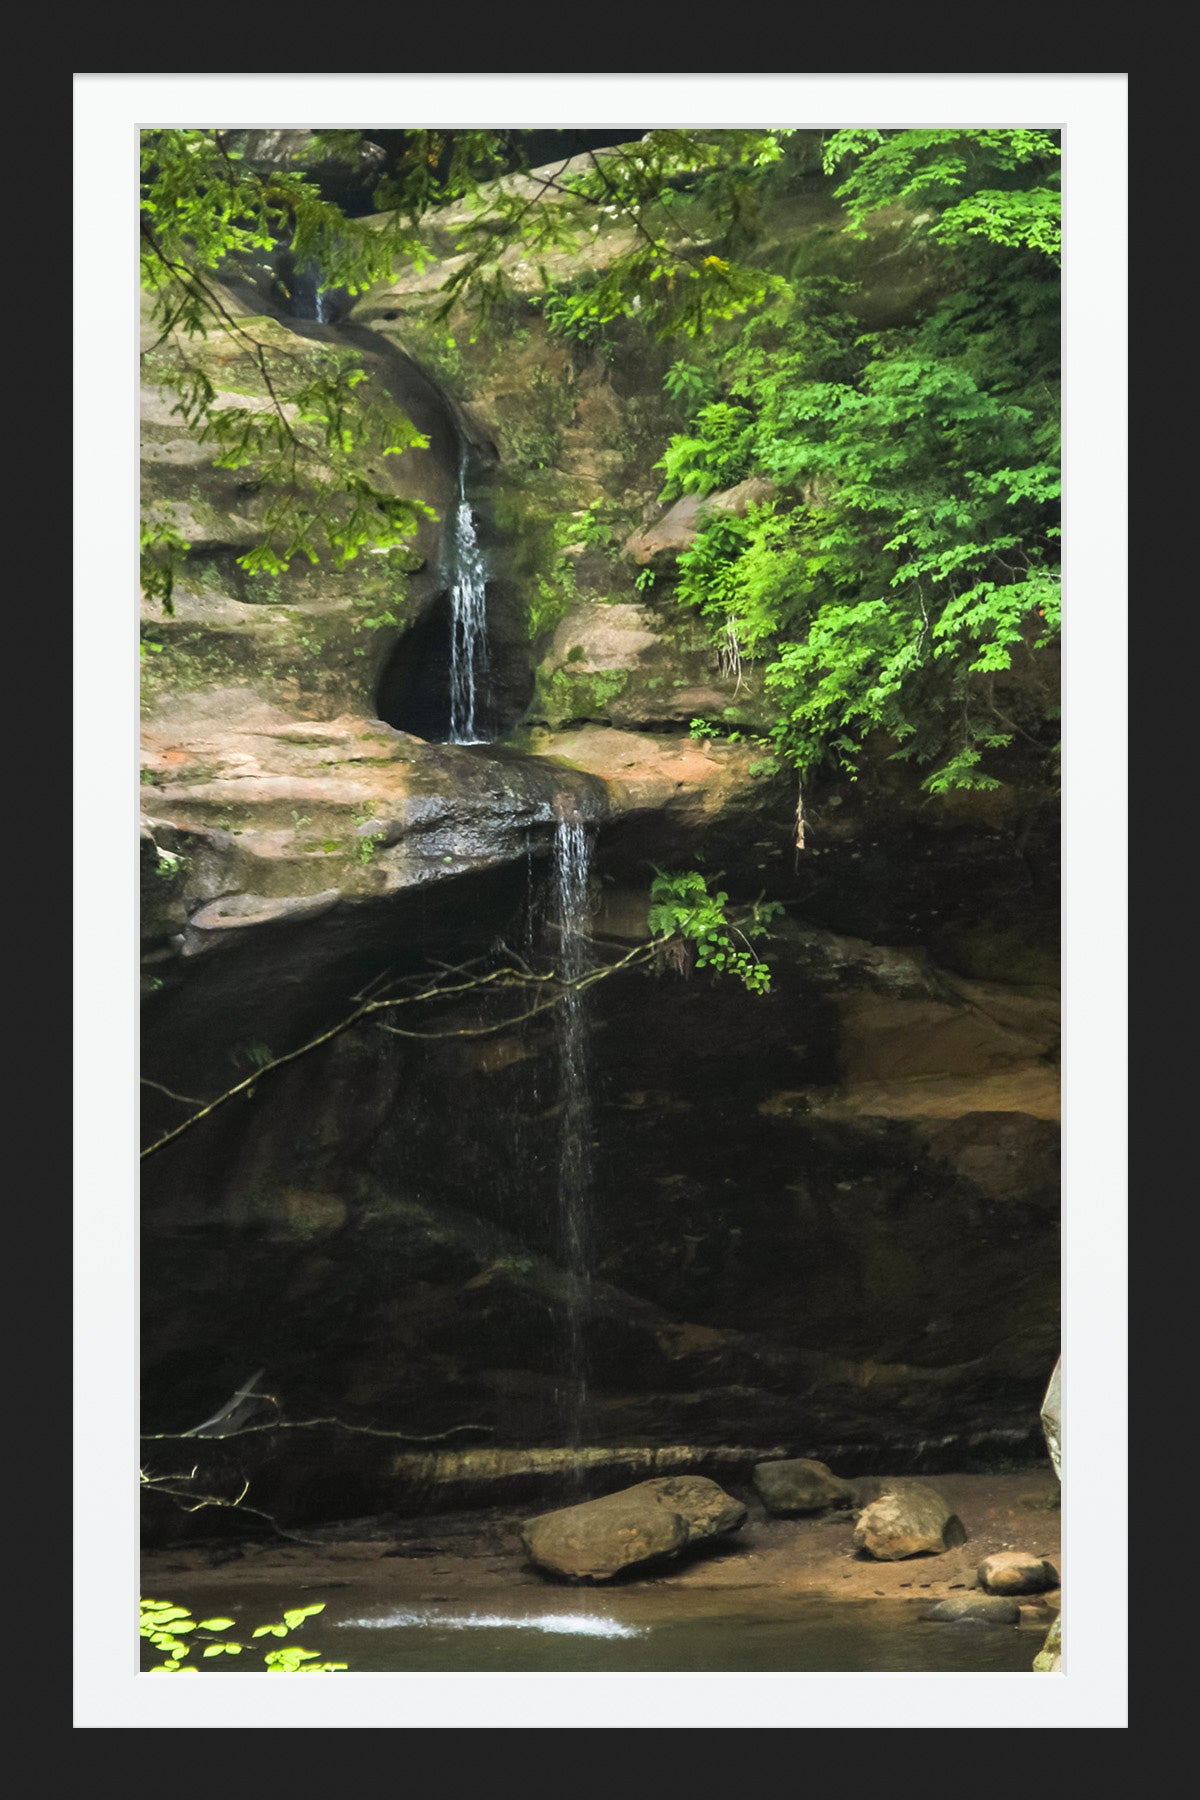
(215, 1624)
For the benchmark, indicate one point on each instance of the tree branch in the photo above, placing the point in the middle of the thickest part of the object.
(406, 1437)
(506, 976)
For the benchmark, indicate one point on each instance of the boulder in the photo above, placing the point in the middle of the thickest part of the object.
(800, 1485)
(910, 1519)
(974, 1609)
(1016, 1572)
(644, 1524)
(679, 527)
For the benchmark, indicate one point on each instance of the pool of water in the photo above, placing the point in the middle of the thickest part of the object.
(625, 1631)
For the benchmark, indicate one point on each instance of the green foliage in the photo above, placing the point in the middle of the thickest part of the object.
(307, 445)
(686, 918)
(310, 442)
(594, 528)
(941, 174)
(569, 693)
(175, 1633)
(717, 455)
(163, 549)
(564, 318)
(169, 866)
(902, 589)
(707, 729)
(365, 843)
(688, 385)
(904, 586)
(710, 569)
(366, 847)
(660, 271)
(306, 456)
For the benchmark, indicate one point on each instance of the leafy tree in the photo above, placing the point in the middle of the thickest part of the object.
(905, 585)
(903, 588)
(310, 438)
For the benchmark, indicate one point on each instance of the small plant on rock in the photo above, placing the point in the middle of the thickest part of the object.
(694, 927)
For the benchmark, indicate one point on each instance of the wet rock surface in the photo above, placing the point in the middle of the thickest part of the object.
(823, 1279)
(973, 1609)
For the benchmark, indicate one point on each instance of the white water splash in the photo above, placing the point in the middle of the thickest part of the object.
(568, 1624)
(469, 642)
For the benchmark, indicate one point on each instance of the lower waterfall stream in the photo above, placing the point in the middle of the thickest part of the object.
(572, 857)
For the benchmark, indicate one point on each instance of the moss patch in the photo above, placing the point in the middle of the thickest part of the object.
(571, 694)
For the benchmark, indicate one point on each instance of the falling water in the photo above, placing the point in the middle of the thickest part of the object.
(572, 855)
(469, 644)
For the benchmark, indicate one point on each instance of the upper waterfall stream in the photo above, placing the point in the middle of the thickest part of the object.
(469, 640)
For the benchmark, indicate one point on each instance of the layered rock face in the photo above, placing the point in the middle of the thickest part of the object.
(825, 1219)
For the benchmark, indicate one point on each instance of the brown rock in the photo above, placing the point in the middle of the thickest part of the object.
(1016, 1572)
(799, 1485)
(911, 1520)
(679, 526)
(642, 1524)
(673, 532)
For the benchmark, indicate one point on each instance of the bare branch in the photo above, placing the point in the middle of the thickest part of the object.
(406, 1437)
(184, 1099)
(507, 976)
(161, 1484)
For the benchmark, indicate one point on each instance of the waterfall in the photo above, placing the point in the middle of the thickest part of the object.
(469, 644)
(572, 857)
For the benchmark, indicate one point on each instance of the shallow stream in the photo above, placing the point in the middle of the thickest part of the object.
(586, 1630)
